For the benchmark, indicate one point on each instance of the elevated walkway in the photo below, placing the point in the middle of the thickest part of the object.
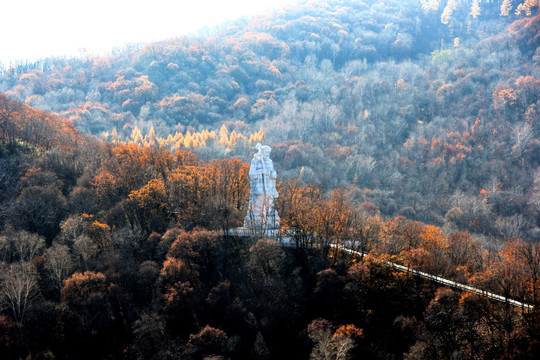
(287, 241)
(449, 283)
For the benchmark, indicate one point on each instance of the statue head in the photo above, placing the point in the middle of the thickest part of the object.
(266, 150)
(263, 150)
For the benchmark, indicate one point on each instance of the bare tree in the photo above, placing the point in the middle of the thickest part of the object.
(320, 332)
(330, 345)
(86, 249)
(20, 245)
(26, 245)
(5, 249)
(522, 134)
(18, 287)
(59, 263)
(511, 226)
(343, 346)
(534, 198)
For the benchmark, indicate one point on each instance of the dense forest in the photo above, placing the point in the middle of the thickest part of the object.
(408, 130)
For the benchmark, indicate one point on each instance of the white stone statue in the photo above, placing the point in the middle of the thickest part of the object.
(261, 213)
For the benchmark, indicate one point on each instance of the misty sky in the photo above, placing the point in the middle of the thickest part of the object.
(33, 29)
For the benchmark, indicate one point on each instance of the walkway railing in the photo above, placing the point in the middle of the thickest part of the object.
(286, 241)
(447, 282)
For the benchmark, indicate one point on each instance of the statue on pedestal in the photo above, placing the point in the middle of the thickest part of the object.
(261, 213)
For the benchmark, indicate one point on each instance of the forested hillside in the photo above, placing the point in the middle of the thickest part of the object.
(408, 130)
(106, 251)
(429, 109)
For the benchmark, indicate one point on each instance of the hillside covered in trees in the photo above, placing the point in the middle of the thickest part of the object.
(428, 108)
(117, 251)
(405, 129)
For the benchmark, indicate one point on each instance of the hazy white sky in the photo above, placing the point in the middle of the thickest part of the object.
(33, 29)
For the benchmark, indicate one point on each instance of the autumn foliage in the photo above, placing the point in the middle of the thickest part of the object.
(19, 122)
(406, 131)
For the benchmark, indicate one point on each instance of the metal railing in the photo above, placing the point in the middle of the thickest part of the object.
(286, 241)
(447, 282)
